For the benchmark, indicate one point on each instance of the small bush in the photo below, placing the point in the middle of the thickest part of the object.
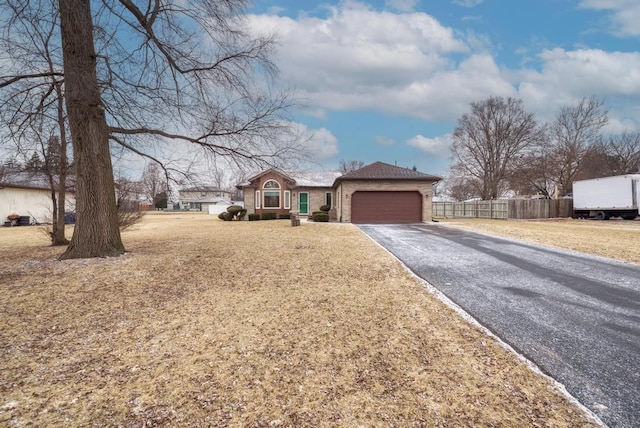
(234, 212)
(325, 208)
(234, 209)
(268, 216)
(320, 216)
(226, 216)
(284, 216)
(127, 218)
(254, 217)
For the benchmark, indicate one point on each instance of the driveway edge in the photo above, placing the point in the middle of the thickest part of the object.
(472, 321)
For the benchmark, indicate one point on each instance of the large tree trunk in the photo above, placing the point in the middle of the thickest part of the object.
(96, 232)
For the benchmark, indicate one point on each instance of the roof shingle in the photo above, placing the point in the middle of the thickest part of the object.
(384, 171)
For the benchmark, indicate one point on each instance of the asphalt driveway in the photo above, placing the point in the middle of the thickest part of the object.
(576, 316)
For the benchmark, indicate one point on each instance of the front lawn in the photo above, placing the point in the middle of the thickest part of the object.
(211, 323)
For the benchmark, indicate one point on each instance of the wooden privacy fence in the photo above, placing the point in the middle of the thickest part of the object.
(504, 209)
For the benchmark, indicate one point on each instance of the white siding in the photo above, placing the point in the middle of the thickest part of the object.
(31, 202)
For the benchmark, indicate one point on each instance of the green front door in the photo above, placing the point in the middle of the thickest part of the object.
(303, 203)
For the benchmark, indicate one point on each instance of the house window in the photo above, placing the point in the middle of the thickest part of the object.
(271, 198)
(328, 199)
(271, 184)
(287, 199)
(257, 199)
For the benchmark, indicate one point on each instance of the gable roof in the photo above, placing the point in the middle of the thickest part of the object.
(374, 171)
(298, 178)
(32, 181)
(314, 178)
(384, 171)
(203, 189)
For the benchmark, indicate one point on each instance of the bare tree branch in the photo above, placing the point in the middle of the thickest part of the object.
(488, 141)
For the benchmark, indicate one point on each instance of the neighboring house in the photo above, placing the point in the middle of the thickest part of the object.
(27, 195)
(199, 198)
(376, 193)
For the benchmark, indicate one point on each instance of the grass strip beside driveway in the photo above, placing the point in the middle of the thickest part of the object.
(211, 323)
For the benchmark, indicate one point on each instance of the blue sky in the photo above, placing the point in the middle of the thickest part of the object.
(387, 80)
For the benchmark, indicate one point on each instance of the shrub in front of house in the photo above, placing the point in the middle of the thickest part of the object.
(268, 216)
(234, 212)
(320, 216)
(325, 208)
(284, 216)
(226, 216)
(254, 217)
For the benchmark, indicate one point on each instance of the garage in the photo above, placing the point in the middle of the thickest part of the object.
(386, 207)
(383, 193)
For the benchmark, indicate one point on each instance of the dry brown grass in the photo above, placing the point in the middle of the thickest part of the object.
(211, 323)
(617, 239)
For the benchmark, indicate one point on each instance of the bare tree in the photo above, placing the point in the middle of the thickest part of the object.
(461, 188)
(33, 109)
(488, 141)
(154, 183)
(349, 166)
(624, 150)
(575, 129)
(162, 72)
(128, 201)
(219, 177)
(533, 172)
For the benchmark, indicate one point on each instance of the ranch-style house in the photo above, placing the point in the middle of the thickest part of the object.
(376, 193)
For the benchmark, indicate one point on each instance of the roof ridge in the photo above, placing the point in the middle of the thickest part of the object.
(384, 171)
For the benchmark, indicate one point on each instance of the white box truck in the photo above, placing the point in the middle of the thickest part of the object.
(602, 198)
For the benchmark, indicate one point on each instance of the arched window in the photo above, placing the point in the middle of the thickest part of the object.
(271, 184)
(271, 198)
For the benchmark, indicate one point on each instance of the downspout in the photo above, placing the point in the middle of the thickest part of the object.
(341, 201)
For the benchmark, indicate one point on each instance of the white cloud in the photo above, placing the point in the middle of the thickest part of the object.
(438, 146)
(467, 3)
(402, 5)
(385, 141)
(624, 15)
(356, 44)
(318, 113)
(320, 143)
(360, 58)
(567, 76)
(408, 64)
(447, 94)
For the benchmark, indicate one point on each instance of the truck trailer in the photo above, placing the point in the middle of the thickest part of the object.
(606, 197)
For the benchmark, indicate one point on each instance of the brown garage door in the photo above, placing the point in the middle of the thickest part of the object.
(386, 207)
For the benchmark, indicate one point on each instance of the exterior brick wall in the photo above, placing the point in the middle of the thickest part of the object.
(347, 188)
(249, 201)
(316, 195)
(341, 196)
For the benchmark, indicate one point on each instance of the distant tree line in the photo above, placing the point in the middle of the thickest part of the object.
(500, 148)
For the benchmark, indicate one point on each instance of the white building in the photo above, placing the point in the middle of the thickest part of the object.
(31, 199)
(200, 198)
